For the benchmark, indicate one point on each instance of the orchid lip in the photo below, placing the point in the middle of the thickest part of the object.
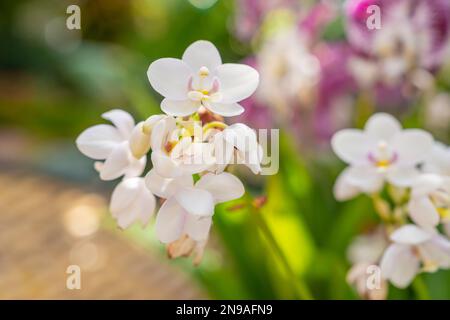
(382, 163)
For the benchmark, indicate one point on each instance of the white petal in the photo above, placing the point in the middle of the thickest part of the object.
(193, 157)
(166, 187)
(382, 126)
(402, 176)
(117, 163)
(352, 146)
(160, 132)
(170, 221)
(225, 109)
(135, 167)
(399, 265)
(197, 227)
(237, 81)
(365, 178)
(343, 190)
(145, 205)
(123, 195)
(436, 251)
(252, 160)
(223, 187)
(179, 108)
(410, 234)
(132, 201)
(223, 150)
(202, 53)
(170, 78)
(153, 120)
(165, 166)
(139, 141)
(242, 137)
(412, 146)
(425, 184)
(123, 121)
(196, 201)
(423, 212)
(98, 142)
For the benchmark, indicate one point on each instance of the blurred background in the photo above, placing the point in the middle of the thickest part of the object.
(317, 76)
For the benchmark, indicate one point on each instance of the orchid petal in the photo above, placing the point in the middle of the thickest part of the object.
(237, 82)
(170, 78)
(223, 187)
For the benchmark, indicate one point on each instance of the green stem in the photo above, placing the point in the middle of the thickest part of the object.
(420, 288)
(302, 290)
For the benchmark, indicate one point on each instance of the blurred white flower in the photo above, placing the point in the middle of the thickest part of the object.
(289, 71)
(380, 152)
(200, 79)
(368, 248)
(343, 188)
(439, 160)
(131, 201)
(437, 111)
(111, 143)
(364, 253)
(414, 250)
(360, 275)
(430, 200)
(237, 144)
(189, 208)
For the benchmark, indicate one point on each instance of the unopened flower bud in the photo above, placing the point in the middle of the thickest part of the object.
(139, 141)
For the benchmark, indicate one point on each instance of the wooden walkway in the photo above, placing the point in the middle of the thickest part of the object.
(47, 225)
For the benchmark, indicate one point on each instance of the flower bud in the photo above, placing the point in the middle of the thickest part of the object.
(139, 141)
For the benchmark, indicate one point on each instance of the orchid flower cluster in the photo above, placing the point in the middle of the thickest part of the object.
(190, 146)
(407, 174)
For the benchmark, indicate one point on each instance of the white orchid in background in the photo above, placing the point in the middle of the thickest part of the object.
(200, 79)
(289, 71)
(180, 147)
(381, 152)
(414, 250)
(419, 189)
(112, 144)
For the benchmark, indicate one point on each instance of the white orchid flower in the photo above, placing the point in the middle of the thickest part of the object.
(189, 208)
(414, 250)
(175, 153)
(430, 200)
(382, 151)
(439, 160)
(112, 144)
(200, 79)
(237, 144)
(132, 201)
